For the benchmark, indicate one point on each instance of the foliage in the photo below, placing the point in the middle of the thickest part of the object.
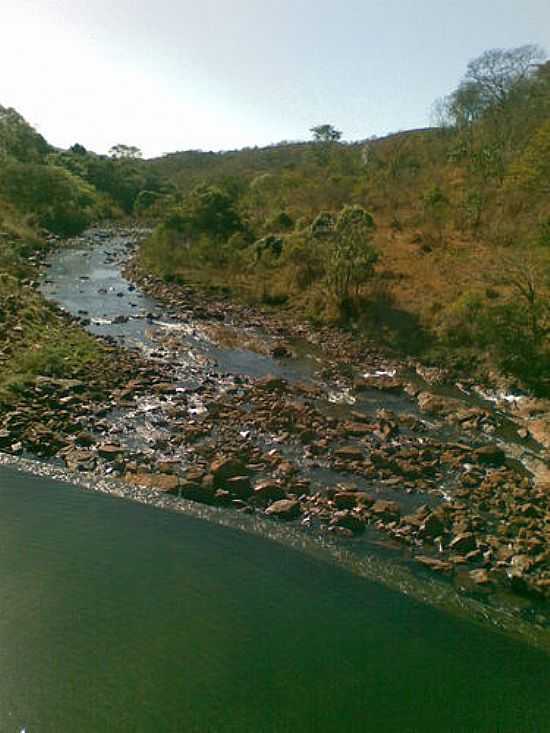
(351, 256)
(61, 202)
(208, 211)
(18, 139)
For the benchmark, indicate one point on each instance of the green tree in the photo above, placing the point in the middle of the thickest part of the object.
(351, 256)
(325, 138)
(326, 134)
(210, 211)
(125, 152)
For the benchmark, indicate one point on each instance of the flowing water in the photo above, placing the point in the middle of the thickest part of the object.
(120, 617)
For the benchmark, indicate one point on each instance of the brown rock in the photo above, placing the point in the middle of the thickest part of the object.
(356, 429)
(271, 383)
(386, 509)
(284, 509)
(239, 486)
(159, 481)
(440, 566)
(490, 455)
(438, 405)
(268, 491)
(110, 451)
(432, 527)
(225, 468)
(349, 453)
(480, 576)
(345, 499)
(349, 520)
(463, 543)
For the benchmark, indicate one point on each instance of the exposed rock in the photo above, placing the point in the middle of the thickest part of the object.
(239, 486)
(110, 450)
(271, 383)
(437, 405)
(480, 576)
(349, 453)
(226, 468)
(356, 429)
(432, 527)
(386, 509)
(490, 455)
(284, 509)
(268, 491)
(349, 520)
(463, 543)
(159, 481)
(345, 499)
(440, 566)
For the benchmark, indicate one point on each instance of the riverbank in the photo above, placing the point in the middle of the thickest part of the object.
(231, 409)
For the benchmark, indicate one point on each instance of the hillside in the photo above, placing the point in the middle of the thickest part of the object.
(460, 235)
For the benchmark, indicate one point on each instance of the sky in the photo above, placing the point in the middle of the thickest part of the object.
(168, 75)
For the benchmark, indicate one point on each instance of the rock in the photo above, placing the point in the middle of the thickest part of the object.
(158, 481)
(480, 576)
(224, 469)
(386, 509)
(266, 491)
(345, 499)
(79, 460)
(540, 430)
(271, 383)
(490, 455)
(382, 383)
(349, 520)
(165, 388)
(280, 351)
(284, 509)
(239, 486)
(437, 405)
(86, 439)
(440, 566)
(349, 453)
(463, 543)
(432, 527)
(110, 450)
(356, 429)
(202, 493)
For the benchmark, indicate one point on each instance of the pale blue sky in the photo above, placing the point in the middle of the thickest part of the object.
(168, 75)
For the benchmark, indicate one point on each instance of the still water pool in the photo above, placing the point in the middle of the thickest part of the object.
(120, 617)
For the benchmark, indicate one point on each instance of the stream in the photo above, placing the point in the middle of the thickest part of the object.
(119, 616)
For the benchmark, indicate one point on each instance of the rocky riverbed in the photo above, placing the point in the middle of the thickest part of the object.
(227, 406)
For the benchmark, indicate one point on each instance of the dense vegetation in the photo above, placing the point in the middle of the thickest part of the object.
(437, 241)
(45, 192)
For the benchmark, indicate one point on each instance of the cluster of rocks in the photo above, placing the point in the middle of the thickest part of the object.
(451, 499)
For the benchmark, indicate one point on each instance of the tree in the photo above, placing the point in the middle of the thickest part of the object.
(325, 137)
(497, 73)
(125, 152)
(325, 134)
(351, 256)
(210, 211)
(531, 171)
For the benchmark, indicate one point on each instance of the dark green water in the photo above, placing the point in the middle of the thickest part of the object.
(119, 617)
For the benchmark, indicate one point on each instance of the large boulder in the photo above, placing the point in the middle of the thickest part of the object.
(223, 469)
(168, 483)
(284, 509)
(438, 405)
(490, 455)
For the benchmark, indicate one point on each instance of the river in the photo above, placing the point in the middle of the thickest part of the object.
(117, 616)
(120, 617)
